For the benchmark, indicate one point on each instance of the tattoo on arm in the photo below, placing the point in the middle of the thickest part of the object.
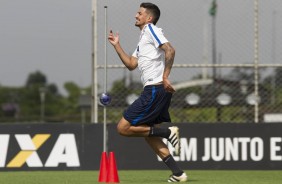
(169, 57)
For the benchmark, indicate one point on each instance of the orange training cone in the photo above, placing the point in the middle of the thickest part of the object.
(112, 169)
(104, 164)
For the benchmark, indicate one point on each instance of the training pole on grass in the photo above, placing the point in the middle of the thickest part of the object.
(256, 60)
(94, 93)
(105, 148)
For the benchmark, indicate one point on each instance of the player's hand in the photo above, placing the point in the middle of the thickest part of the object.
(113, 39)
(167, 86)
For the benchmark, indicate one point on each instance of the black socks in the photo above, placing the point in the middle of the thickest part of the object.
(169, 160)
(171, 164)
(159, 132)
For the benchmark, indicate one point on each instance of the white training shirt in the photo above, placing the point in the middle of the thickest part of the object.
(150, 57)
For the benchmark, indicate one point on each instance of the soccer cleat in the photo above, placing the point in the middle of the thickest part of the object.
(181, 178)
(174, 139)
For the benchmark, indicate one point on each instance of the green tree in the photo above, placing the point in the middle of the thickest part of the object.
(71, 101)
(36, 78)
(30, 99)
(278, 77)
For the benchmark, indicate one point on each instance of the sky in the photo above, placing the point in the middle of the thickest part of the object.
(51, 36)
(55, 36)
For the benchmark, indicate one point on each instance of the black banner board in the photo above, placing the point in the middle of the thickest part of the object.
(65, 146)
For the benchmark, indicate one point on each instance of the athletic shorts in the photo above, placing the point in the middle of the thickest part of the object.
(150, 108)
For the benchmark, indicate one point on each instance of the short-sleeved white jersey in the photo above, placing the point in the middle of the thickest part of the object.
(150, 56)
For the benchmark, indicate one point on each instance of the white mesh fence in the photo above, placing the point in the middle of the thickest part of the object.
(225, 69)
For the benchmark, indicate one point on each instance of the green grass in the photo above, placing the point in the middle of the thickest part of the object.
(142, 177)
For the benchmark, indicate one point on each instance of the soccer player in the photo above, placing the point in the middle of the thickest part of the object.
(154, 56)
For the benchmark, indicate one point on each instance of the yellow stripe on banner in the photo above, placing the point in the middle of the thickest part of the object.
(20, 159)
(39, 139)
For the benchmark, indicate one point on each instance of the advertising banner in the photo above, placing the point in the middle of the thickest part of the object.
(63, 146)
(50, 146)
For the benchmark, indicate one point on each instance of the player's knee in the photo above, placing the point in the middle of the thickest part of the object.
(122, 130)
(123, 127)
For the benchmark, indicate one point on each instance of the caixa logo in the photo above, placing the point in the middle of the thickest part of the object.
(63, 151)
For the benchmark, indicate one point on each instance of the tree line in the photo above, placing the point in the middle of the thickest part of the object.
(24, 104)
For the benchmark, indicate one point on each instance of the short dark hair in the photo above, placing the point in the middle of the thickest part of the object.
(153, 9)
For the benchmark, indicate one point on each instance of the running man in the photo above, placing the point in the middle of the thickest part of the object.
(154, 56)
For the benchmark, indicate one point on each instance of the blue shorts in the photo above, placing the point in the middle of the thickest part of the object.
(150, 108)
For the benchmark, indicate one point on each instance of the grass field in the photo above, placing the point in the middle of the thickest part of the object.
(142, 177)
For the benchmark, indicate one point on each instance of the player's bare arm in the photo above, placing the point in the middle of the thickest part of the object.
(129, 61)
(169, 59)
